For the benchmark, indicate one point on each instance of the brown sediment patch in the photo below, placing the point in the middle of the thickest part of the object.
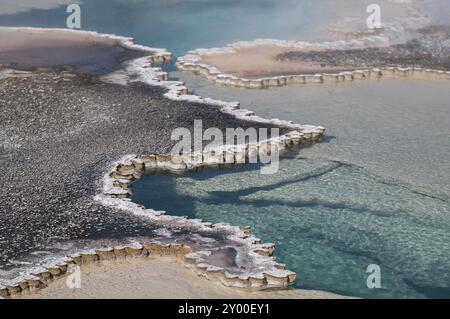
(217, 261)
(156, 278)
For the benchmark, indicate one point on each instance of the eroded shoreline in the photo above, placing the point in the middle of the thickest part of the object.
(152, 277)
(263, 64)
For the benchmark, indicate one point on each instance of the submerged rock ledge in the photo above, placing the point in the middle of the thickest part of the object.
(61, 171)
(319, 61)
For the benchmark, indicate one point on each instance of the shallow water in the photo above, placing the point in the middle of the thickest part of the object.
(377, 191)
(394, 128)
(180, 26)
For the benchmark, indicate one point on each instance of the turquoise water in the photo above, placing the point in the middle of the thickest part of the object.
(183, 25)
(377, 191)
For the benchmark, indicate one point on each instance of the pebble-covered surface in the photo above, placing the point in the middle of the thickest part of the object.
(59, 134)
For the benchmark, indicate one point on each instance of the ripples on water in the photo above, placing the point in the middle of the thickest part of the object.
(396, 128)
(375, 191)
(388, 205)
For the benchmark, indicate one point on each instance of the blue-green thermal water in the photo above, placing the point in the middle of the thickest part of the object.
(376, 191)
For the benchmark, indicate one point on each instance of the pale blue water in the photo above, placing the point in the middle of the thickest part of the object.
(188, 24)
(329, 221)
(388, 205)
(183, 25)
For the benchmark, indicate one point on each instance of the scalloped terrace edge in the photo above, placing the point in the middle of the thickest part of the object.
(192, 62)
(117, 188)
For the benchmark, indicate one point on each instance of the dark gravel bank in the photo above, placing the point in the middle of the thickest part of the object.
(59, 134)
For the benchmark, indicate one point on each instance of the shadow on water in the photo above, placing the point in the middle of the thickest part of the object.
(160, 195)
(311, 233)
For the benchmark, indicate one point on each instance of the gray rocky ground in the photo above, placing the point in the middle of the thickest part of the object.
(60, 132)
